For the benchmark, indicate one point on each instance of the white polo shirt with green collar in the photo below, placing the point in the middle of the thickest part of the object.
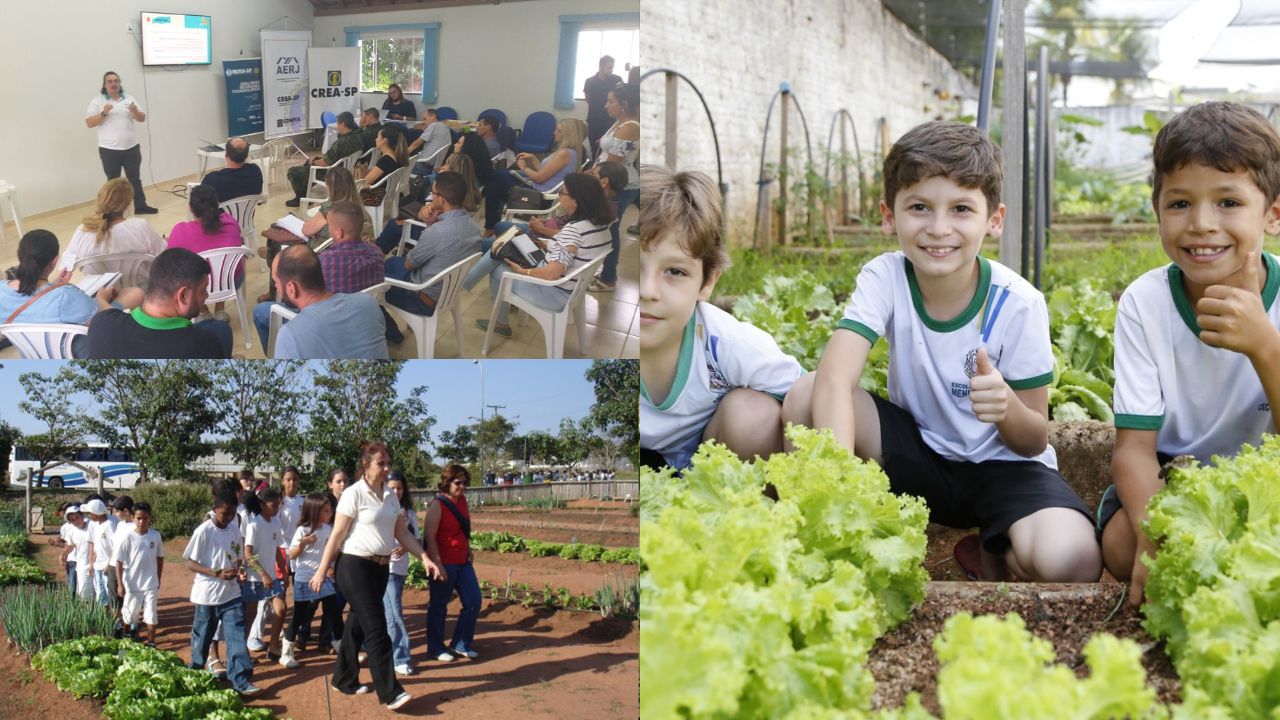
(717, 354)
(1200, 400)
(931, 361)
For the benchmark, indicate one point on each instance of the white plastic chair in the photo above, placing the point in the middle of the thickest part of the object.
(429, 159)
(554, 324)
(424, 326)
(281, 314)
(134, 267)
(394, 182)
(275, 154)
(43, 341)
(222, 282)
(8, 193)
(348, 162)
(244, 209)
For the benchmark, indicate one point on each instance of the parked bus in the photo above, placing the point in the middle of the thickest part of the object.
(119, 469)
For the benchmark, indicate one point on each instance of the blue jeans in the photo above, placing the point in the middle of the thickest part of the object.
(231, 614)
(71, 576)
(544, 296)
(407, 300)
(495, 196)
(389, 238)
(391, 603)
(220, 330)
(463, 579)
(100, 592)
(609, 274)
(262, 320)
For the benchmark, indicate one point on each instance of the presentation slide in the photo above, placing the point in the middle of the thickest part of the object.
(169, 39)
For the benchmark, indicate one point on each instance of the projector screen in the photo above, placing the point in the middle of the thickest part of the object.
(169, 39)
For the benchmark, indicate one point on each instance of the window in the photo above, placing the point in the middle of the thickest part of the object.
(391, 58)
(622, 44)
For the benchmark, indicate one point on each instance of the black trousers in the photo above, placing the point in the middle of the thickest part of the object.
(364, 582)
(113, 161)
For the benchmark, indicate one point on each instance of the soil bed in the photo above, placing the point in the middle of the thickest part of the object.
(606, 527)
(1066, 615)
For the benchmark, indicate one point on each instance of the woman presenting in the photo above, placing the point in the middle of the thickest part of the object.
(365, 530)
(113, 113)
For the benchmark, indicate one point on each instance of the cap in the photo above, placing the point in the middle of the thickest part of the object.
(71, 509)
(95, 507)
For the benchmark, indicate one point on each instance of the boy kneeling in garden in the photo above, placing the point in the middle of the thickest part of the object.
(1197, 342)
(966, 424)
(703, 374)
(139, 565)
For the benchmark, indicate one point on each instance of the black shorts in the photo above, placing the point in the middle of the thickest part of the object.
(1110, 503)
(991, 495)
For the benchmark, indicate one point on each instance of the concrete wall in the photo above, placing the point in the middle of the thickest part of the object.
(54, 53)
(850, 54)
(491, 56)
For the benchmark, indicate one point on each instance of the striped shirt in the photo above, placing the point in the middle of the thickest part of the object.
(577, 244)
(351, 266)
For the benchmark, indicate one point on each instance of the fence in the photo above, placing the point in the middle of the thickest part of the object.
(505, 494)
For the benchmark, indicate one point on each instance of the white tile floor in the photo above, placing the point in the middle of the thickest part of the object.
(612, 318)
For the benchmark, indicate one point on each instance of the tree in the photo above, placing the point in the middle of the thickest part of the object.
(159, 409)
(458, 445)
(261, 405)
(357, 400)
(538, 447)
(48, 401)
(493, 437)
(576, 441)
(9, 436)
(616, 412)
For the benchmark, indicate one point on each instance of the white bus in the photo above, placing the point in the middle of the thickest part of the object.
(119, 470)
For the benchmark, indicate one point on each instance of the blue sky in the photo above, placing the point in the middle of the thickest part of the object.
(537, 393)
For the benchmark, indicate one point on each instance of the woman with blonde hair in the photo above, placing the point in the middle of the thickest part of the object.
(107, 230)
(544, 175)
(464, 166)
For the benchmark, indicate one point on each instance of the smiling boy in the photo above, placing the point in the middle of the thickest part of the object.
(703, 374)
(966, 424)
(1197, 340)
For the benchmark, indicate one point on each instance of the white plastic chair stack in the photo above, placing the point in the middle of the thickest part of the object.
(275, 155)
(222, 282)
(554, 324)
(43, 341)
(133, 267)
(424, 326)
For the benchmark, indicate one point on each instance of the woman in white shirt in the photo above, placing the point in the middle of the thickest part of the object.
(108, 231)
(366, 528)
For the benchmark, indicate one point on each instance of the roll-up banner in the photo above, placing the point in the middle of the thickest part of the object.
(284, 66)
(335, 82)
(244, 96)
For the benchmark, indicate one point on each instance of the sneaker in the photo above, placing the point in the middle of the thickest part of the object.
(296, 202)
(256, 645)
(145, 210)
(250, 689)
(472, 654)
(400, 701)
(360, 690)
(968, 554)
(362, 657)
(445, 656)
(599, 285)
(497, 329)
(404, 670)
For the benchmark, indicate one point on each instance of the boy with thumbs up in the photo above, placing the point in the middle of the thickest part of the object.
(1197, 342)
(966, 423)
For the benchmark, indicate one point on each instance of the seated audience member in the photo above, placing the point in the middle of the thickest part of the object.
(107, 231)
(430, 138)
(397, 106)
(370, 124)
(347, 143)
(473, 147)
(457, 163)
(211, 229)
(239, 178)
(583, 238)
(328, 325)
(32, 298)
(544, 174)
(161, 327)
(395, 155)
(487, 129)
(348, 266)
(612, 177)
(450, 236)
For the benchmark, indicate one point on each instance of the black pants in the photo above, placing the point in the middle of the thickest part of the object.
(364, 582)
(131, 162)
(305, 611)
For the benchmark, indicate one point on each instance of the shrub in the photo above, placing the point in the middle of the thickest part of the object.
(20, 570)
(36, 616)
(176, 509)
(13, 544)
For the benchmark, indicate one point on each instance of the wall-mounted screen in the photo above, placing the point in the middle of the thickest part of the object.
(170, 39)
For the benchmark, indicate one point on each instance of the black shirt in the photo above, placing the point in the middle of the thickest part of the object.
(597, 94)
(231, 183)
(115, 334)
(404, 108)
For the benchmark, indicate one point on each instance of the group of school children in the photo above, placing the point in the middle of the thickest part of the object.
(1197, 346)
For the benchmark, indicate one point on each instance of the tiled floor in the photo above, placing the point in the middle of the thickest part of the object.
(612, 318)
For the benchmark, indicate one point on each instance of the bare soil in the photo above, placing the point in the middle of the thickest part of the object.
(561, 664)
(600, 526)
(903, 660)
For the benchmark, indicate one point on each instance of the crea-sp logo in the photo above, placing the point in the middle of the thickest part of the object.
(335, 78)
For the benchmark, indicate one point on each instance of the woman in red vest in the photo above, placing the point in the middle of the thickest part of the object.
(448, 536)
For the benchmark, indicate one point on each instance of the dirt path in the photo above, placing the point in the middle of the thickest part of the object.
(557, 664)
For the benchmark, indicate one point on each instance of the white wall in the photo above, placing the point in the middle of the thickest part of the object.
(850, 54)
(491, 56)
(54, 53)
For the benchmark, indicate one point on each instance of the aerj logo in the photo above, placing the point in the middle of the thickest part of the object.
(335, 78)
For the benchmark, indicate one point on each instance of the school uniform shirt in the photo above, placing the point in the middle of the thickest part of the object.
(67, 533)
(1200, 400)
(931, 361)
(141, 555)
(122, 529)
(290, 514)
(101, 533)
(308, 562)
(717, 354)
(218, 549)
(116, 130)
(400, 566)
(80, 537)
(373, 520)
(266, 538)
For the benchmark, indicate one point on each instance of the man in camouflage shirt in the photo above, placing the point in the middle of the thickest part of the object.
(348, 142)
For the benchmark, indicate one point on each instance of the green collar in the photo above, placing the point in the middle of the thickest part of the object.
(1178, 289)
(682, 368)
(155, 323)
(970, 311)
